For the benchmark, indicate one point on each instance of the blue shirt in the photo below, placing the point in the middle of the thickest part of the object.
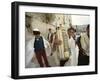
(38, 44)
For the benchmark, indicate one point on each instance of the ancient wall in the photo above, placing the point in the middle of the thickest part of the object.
(45, 21)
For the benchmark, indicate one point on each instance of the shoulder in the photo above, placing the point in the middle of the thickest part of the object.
(43, 38)
(83, 34)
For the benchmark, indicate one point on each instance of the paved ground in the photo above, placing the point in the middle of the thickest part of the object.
(34, 62)
(51, 60)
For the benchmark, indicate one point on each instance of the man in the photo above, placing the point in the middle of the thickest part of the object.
(73, 48)
(55, 47)
(61, 45)
(49, 35)
(39, 48)
(50, 39)
(85, 47)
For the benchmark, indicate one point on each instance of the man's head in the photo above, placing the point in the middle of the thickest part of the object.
(88, 30)
(36, 32)
(60, 25)
(71, 32)
(49, 29)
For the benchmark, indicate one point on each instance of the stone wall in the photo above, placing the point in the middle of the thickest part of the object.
(44, 21)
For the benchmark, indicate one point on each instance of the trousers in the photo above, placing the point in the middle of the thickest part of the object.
(41, 56)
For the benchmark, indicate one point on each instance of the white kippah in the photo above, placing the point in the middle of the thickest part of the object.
(36, 29)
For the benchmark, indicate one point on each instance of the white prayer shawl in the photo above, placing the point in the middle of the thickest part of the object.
(63, 49)
(73, 61)
(60, 47)
(29, 50)
(85, 43)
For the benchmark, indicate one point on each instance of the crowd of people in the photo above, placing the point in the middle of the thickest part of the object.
(64, 46)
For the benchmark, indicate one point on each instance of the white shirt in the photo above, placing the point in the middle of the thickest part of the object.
(74, 52)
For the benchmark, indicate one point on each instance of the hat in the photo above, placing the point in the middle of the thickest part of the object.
(36, 29)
